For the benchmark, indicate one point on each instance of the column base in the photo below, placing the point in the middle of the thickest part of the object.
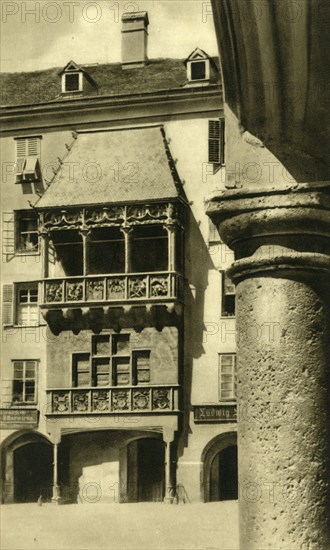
(169, 497)
(56, 499)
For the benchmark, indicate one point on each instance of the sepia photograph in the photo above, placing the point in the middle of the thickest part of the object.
(165, 275)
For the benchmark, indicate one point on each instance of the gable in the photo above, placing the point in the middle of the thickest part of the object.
(197, 55)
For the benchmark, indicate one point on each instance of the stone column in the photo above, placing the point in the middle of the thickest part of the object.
(282, 273)
(171, 231)
(45, 254)
(8, 492)
(127, 230)
(168, 437)
(56, 488)
(85, 233)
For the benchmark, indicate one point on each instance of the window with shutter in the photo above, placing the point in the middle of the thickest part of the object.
(7, 304)
(8, 236)
(227, 377)
(27, 159)
(216, 141)
(228, 296)
(27, 305)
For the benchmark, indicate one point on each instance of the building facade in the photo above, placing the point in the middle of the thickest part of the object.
(118, 365)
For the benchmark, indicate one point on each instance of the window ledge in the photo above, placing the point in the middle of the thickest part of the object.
(27, 182)
(25, 326)
(228, 316)
(27, 253)
(29, 406)
(70, 92)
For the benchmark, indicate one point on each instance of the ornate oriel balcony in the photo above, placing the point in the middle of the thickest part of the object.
(112, 256)
(102, 289)
(113, 400)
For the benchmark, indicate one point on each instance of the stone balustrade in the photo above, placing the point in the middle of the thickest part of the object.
(113, 400)
(154, 287)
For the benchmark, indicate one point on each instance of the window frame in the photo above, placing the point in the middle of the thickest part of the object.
(207, 70)
(28, 286)
(80, 81)
(114, 359)
(233, 397)
(19, 217)
(213, 235)
(225, 293)
(24, 381)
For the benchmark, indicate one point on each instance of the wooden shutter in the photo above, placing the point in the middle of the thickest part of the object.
(7, 304)
(25, 149)
(8, 236)
(33, 146)
(216, 141)
(21, 148)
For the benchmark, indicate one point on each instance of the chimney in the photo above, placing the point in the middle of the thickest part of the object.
(134, 42)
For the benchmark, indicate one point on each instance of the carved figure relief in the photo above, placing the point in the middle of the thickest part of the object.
(60, 402)
(120, 400)
(74, 292)
(160, 399)
(80, 402)
(137, 288)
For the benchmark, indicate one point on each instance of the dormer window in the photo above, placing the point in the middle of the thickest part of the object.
(72, 78)
(198, 66)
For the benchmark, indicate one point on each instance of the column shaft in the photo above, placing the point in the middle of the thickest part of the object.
(171, 231)
(128, 243)
(45, 255)
(56, 492)
(283, 428)
(85, 238)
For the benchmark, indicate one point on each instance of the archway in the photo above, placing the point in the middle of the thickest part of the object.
(27, 469)
(219, 469)
(223, 475)
(146, 470)
(33, 472)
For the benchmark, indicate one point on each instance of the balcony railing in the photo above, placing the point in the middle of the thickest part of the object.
(136, 287)
(113, 400)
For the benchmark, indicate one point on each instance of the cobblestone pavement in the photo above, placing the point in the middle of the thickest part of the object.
(144, 526)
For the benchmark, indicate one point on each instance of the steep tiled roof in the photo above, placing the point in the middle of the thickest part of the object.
(115, 166)
(110, 79)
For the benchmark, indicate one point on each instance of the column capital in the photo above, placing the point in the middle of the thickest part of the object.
(84, 231)
(168, 434)
(289, 216)
(44, 233)
(126, 228)
(171, 226)
(284, 228)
